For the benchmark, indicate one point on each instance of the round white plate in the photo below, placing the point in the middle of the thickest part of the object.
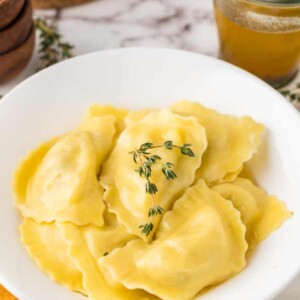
(53, 101)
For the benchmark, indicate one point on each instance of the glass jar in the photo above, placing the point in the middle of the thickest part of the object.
(261, 36)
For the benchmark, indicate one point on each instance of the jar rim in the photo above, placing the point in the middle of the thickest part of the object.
(285, 3)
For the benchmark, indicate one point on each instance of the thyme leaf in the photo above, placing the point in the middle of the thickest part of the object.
(52, 48)
(145, 160)
(293, 95)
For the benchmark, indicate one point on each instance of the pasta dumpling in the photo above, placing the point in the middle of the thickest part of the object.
(102, 240)
(45, 244)
(125, 192)
(260, 212)
(199, 243)
(231, 141)
(97, 285)
(64, 186)
(138, 115)
(98, 110)
(27, 168)
(146, 204)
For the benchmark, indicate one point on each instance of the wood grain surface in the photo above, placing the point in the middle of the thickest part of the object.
(56, 3)
(9, 10)
(5, 295)
(16, 33)
(12, 63)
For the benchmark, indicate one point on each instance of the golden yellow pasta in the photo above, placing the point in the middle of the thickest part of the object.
(64, 187)
(45, 244)
(102, 240)
(145, 204)
(97, 286)
(260, 212)
(231, 141)
(97, 110)
(125, 192)
(200, 242)
(27, 168)
(138, 115)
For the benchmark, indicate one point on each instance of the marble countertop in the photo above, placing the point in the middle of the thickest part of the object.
(103, 24)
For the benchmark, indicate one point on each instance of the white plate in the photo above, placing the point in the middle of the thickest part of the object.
(53, 101)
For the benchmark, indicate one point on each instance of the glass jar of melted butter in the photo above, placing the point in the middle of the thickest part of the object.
(262, 37)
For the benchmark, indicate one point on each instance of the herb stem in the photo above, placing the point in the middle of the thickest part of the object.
(293, 95)
(143, 158)
(51, 47)
(155, 147)
(144, 168)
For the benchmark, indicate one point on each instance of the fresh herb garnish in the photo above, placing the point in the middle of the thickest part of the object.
(292, 95)
(51, 48)
(145, 160)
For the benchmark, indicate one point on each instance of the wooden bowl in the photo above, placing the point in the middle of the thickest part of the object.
(56, 3)
(5, 295)
(9, 10)
(16, 33)
(13, 62)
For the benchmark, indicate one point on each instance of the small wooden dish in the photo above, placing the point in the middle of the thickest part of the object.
(5, 295)
(13, 62)
(15, 34)
(9, 10)
(56, 3)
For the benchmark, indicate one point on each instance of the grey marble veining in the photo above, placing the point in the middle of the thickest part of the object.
(110, 23)
(103, 24)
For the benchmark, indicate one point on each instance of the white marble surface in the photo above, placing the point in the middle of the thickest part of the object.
(103, 24)
(186, 24)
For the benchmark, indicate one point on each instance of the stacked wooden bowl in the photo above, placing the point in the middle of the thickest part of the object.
(56, 3)
(17, 37)
(5, 295)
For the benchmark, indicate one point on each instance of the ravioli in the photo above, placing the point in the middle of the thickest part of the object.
(88, 196)
(138, 115)
(27, 168)
(231, 141)
(199, 243)
(97, 285)
(260, 212)
(64, 187)
(125, 190)
(46, 246)
(97, 110)
(102, 240)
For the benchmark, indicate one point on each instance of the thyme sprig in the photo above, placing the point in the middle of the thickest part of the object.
(145, 160)
(52, 48)
(292, 95)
